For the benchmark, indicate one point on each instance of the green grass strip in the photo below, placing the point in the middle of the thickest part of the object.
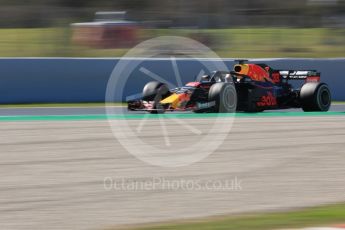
(338, 102)
(310, 217)
(62, 105)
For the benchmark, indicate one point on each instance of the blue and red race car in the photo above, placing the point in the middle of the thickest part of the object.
(248, 88)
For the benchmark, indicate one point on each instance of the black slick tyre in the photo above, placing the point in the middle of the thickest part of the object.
(223, 98)
(315, 96)
(155, 91)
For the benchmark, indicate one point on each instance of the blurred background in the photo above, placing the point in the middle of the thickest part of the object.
(232, 28)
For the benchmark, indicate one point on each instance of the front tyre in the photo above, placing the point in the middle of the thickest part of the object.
(154, 92)
(154, 88)
(223, 97)
(315, 96)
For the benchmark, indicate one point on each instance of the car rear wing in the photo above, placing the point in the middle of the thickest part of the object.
(307, 75)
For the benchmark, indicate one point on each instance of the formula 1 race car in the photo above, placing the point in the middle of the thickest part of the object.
(248, 88)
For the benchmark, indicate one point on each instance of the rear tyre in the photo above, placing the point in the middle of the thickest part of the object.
(315, 96)
(223, 97)
(155, 91)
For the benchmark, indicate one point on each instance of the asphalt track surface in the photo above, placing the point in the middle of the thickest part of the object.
(53, 171)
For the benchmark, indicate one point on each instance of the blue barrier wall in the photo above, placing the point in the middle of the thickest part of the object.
(35, 80)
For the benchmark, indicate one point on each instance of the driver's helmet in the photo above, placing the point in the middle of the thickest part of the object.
(217, 76)
(206, 78)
